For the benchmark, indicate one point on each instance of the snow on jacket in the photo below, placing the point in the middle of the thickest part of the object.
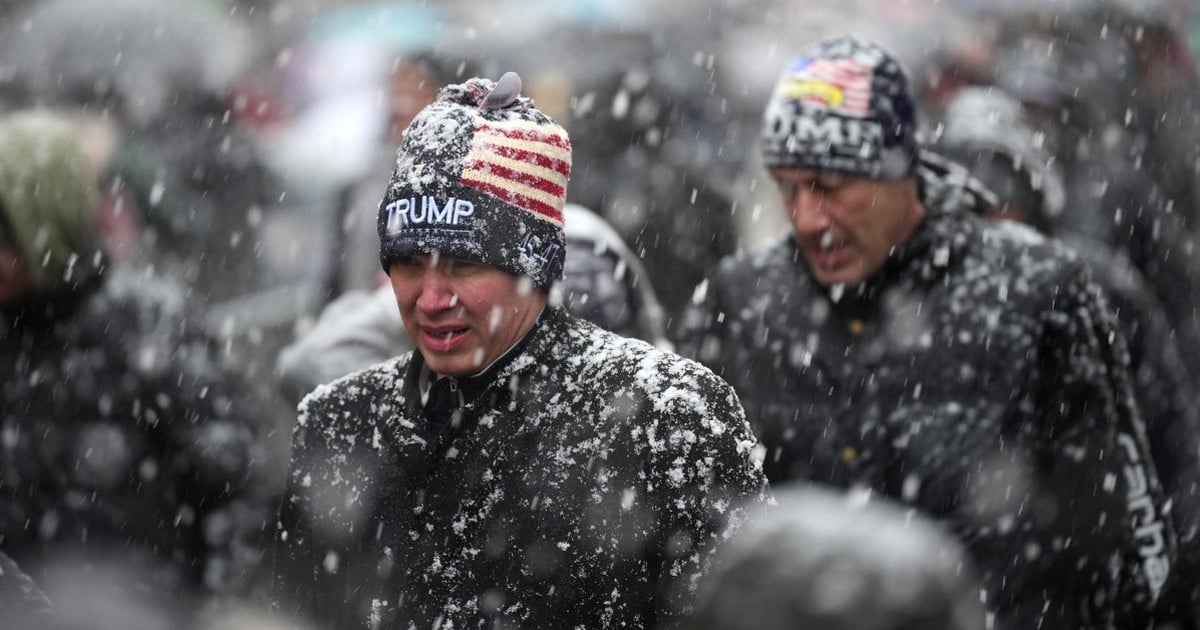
(977, 376)
(583, 488)
(126, 440)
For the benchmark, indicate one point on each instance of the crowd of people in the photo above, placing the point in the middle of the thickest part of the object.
(900, 340)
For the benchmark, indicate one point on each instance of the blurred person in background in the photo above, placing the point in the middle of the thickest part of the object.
(159, 73)
(129, 483)
(412, 83)
(1076, 85)
(898, 342)
(520, 467)
(1163, 111)
(603, 282)
(819, 559)
(657, 155)
(987, 131)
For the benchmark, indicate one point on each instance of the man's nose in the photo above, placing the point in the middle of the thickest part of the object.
(809, 212)
(437, 292)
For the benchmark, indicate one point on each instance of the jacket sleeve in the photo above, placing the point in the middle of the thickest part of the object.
(1172, 418)
(317, 564)
(706, 476)
(1110, 533)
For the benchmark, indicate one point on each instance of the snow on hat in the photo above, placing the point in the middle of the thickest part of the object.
(481, 175)
(844, 104)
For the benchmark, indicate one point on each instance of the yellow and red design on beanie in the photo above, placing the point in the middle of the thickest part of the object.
(844, 104)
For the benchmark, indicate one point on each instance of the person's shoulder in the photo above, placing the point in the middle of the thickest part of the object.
(640, 366)
(1020, 252)
(356, 394)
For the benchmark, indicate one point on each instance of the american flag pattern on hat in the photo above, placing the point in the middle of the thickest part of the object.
(521, 162)
(843, 85)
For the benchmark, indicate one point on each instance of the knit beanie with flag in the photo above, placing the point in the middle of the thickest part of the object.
(481, 175)
(843, 104)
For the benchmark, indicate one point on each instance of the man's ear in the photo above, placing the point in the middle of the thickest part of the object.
(16, 279)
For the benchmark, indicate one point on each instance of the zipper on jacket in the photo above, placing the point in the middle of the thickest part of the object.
(456, 391)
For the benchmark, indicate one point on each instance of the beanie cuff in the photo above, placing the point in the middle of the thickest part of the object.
(465, 225)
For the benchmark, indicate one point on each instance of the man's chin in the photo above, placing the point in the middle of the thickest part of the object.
(456, 364)
(847, 275)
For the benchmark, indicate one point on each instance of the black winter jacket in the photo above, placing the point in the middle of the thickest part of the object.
(127, 442)
(582, 489)
(977, 376)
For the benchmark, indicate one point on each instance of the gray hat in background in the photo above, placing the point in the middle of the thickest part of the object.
(823, 560)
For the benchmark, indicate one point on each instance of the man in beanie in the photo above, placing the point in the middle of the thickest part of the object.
(521, 467)
(130, 451)
(896, 341)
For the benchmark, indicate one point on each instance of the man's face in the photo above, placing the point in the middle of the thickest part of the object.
(462, 316)
(411, 88)
(846, 227)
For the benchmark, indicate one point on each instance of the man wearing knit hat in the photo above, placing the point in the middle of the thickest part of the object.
(521, 467)
(896, 341)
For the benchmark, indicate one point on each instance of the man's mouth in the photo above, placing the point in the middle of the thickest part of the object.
(443, 338)
(830, 252)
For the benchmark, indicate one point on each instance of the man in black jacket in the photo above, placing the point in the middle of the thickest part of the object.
(521, 467)
(896, 341)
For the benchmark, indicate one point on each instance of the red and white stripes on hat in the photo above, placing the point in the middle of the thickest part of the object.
(521, 162)
(481, 175)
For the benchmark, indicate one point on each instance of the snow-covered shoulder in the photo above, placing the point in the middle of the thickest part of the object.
(684, 405)
(338, 399)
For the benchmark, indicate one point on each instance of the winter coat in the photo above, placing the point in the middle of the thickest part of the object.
(977, 376)
(127, 443)
(583, 488)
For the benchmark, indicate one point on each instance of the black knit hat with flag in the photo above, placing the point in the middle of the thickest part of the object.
(481, 175)
(845, 105)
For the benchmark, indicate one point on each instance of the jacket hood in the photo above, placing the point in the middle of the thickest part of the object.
(46, 195)
(591, 237)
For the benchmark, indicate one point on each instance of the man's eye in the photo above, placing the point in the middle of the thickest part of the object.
(788, 188)
(829, 183)
(462, 267)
